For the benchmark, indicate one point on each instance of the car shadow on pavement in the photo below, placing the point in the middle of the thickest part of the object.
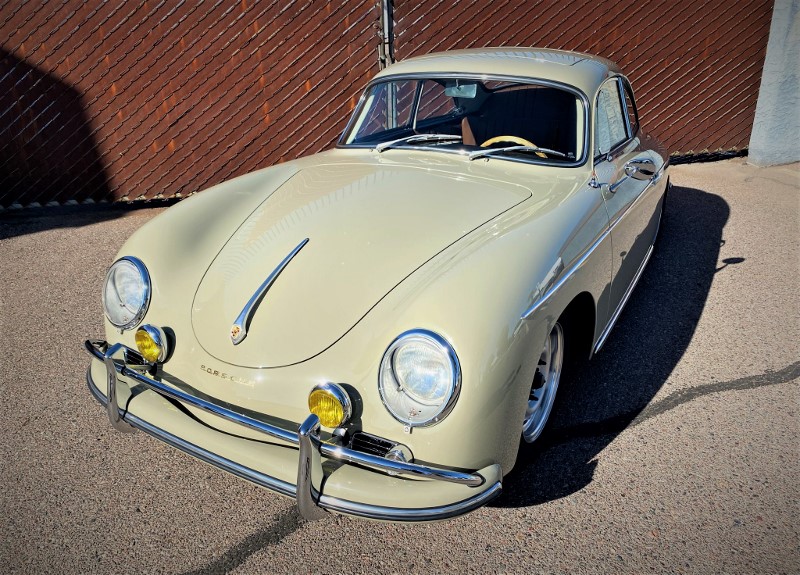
(33, 220)
(605, 395)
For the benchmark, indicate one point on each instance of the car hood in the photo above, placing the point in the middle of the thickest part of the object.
(368, 227)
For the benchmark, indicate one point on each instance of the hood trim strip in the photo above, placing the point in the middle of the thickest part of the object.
(239, 327)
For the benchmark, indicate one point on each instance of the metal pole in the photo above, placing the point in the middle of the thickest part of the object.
(385, 33)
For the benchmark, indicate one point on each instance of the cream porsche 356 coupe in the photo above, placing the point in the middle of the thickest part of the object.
(376, 329)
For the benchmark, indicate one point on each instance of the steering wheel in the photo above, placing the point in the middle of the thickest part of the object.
(514, 140)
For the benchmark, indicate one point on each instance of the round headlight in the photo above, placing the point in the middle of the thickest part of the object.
(126, 293)
(419, 378)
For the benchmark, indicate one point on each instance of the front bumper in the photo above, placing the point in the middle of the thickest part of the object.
(467, 491)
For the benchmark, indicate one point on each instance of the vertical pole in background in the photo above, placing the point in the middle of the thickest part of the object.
(385, 33)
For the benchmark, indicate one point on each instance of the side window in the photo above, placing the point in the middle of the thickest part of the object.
(633, 119)
(377, 120)
(388, 106)
(609, 124)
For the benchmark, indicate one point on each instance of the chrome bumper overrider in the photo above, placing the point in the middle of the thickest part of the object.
(122, 360)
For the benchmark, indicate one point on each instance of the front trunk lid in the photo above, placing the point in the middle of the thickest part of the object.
(368, 228)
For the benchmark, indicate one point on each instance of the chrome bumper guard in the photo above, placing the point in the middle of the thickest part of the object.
(310, 501)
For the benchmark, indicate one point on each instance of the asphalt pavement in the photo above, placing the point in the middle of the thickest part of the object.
(676, 450)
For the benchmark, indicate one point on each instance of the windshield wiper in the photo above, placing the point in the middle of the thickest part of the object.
(538, 151)
(417, 138)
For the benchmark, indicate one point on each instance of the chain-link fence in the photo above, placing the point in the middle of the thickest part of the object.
(695, 66)
(130, 100)
(127, 100)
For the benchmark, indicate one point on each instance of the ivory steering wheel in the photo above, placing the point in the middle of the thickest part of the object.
(514, 140)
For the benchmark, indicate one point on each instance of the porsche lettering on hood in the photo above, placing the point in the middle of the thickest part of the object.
(369, 227)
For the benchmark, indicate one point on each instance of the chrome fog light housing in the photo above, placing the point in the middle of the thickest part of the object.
(419, 378)
(126, 292)
(152, 343)
(330, 402)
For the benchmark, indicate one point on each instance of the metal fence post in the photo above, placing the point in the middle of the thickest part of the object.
(386, 33)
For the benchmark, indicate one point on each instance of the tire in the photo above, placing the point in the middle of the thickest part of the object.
(544, 385)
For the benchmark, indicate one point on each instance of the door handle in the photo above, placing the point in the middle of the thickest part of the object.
(641, 169)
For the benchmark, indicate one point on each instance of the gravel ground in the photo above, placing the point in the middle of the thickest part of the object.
(675, 450)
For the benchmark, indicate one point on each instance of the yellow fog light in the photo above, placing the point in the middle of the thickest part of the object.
(152, 343)
(330, 402)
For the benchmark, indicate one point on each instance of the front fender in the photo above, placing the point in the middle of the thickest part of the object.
(178, 245)
(474, 294)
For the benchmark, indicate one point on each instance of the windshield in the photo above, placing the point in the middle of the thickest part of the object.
(479, 118)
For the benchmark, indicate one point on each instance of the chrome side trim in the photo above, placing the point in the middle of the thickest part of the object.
(284, 488)
(602, 339)
(239, 327)
(95, 349)
(565, 277)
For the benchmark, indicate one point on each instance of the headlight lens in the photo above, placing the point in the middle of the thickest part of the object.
(330, 402)
(126, 293)
(419, 378)
(151, 341)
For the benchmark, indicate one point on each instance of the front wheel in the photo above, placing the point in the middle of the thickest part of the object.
(545, 385)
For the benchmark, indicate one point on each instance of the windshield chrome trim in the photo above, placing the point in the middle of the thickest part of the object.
(239, 327)
(584, 158)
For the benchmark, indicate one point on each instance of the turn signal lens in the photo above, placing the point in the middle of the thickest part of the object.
(331, 404)
(152, 343)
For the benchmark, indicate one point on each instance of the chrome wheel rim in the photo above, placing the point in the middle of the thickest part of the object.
(545, 385)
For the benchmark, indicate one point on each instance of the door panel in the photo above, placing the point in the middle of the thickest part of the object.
(628, 195)
(631, 209)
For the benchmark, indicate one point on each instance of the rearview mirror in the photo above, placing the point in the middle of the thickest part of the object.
(461, 91)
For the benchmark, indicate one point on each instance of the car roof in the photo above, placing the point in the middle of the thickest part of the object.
(584, 71)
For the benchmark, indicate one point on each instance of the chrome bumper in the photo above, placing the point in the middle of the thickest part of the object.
(311, 502)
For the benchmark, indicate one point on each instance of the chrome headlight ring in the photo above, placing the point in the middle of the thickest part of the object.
(419, 378)
(126, 292)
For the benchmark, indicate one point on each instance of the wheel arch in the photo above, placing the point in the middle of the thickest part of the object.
(579, 319)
